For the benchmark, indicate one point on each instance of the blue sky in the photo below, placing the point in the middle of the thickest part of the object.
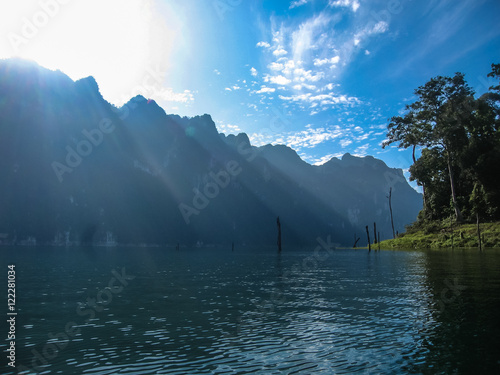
(322, 76)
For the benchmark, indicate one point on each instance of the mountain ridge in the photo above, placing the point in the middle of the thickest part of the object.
(128, 171)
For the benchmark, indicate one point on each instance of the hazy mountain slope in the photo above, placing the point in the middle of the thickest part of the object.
(74, 166)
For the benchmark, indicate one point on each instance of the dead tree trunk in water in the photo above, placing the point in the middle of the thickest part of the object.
(355, 241)
(479, 233)
(279, 233)
(368, 235)
(390, 209)
(375, 231)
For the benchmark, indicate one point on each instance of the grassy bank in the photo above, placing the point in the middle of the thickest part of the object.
(439, 235)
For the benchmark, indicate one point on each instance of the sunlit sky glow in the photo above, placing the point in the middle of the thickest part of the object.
(322, 76)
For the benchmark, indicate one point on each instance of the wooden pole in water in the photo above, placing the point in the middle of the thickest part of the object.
(355, 241)
(375, 231)
(479, 233)
(368, 235)
(279, 233)
(390, 209)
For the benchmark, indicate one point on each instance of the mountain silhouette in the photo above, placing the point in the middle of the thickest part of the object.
(76, 169)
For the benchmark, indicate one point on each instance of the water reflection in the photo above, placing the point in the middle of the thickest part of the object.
(465, 305)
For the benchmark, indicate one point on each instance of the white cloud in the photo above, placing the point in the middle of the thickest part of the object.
(306, 60)
(353, 4)
(265, 89)
(227, 128)
(279, 51)
(324, 100)
(304, 85)
(314, 53)
(216, 72)
(276, 66)
(332, 61)
(302, 75)
(235, 87)
(253, 71)
(363, 137)
(380, 27)
(261, 139)
(309, 35)
(169, 95)
(345, 142)
(329, 86)
(308, 138)
(322, 160)
(278, 80)
(289, 66)
(312, 137)
(361, 150)
(263, 44)
(297, 3)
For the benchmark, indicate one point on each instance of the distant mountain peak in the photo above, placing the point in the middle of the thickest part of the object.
(88, 81)
(348, 159)
(88, 86)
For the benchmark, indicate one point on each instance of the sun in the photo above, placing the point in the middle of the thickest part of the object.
(117, 41)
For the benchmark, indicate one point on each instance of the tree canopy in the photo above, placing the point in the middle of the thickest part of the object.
(458, 136)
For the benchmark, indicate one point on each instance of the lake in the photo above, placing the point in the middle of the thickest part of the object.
(126, 310)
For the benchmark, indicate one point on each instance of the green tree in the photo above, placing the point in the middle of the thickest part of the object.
(430, 170)
(406, 130)
(495, 72)
(436, 121)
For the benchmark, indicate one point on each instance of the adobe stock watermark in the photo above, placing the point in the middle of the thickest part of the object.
(59, 341)
(220, 180)
(394, 178)
(93, 138)
(394, 7)
(74, 157)
(211, 190)
(151, 83)
(223, 6)
(265, 307)
(31, 26)
(277, 123)
(450, 293)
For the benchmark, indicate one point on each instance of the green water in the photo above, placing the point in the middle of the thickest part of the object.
(213, 311)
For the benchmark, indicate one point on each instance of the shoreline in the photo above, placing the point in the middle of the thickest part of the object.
(439, 236)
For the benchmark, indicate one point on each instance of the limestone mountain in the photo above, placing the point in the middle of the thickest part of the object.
(77, 168)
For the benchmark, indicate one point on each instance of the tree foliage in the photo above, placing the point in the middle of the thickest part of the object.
(459, 139)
